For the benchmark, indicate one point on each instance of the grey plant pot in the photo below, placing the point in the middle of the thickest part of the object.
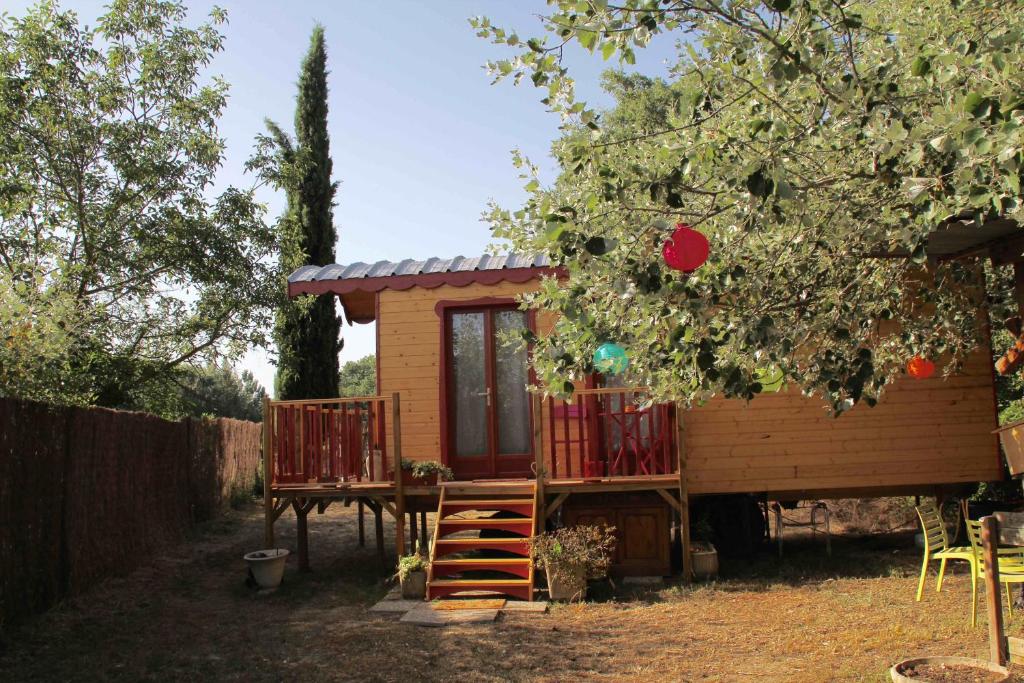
(414, 586)
(567, 588)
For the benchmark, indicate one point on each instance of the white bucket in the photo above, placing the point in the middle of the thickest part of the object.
(267, 566)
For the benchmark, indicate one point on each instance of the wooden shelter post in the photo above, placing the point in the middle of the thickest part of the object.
(413, 531)
(268, 475)
(361, 509)
(684, 496)
(302, 507)
(396, 430)
(996, 632)
(538, 462)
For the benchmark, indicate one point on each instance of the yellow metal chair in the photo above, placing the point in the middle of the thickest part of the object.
(1011, 568)
(936, 547)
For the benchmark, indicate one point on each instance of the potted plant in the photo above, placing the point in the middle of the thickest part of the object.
(570, 556)
(412, 576)
(703, 555)
(424, 472)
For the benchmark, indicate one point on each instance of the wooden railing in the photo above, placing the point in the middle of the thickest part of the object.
(329, 440)
(608, 433)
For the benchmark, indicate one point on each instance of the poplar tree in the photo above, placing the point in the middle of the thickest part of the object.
(308, 333)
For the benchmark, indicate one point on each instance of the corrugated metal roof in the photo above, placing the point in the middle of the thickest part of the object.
(458, 264)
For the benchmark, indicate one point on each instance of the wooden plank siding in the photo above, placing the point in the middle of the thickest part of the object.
(922, 432)
(409, 333)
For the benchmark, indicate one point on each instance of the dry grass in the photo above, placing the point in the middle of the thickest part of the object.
(804, 618)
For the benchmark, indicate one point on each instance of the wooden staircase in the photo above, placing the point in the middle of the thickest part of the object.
(466, 541)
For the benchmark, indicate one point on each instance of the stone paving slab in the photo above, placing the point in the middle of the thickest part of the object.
(535, 606)
(425, 616)
(396, 606)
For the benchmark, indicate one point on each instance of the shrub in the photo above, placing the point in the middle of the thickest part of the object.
(422, 468)
(568, 551)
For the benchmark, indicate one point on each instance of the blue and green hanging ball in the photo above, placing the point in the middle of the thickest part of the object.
(610, 358)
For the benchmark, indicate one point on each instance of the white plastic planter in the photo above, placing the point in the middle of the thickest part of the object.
(267, 566)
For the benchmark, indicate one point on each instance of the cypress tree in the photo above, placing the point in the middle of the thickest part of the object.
(308, 334)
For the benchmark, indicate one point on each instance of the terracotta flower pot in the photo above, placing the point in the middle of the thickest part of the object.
(899, 670)
(571, 587)
(1011, 437)
(414, 585)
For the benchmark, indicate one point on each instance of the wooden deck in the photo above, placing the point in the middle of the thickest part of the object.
(388, 489)
(414, 502)
(315, 453)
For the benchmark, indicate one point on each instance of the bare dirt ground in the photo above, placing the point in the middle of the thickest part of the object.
(189, 616)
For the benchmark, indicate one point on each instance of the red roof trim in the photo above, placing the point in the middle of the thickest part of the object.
(426, 280)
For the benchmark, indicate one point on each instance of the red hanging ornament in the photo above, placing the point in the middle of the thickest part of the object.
(686, 250)
(920, 368)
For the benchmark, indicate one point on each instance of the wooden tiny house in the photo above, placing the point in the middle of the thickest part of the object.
(464, 401)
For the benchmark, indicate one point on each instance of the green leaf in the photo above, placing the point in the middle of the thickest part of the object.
(973, 102)
(973, 135)
(783, 190)
(599, 246)
(759, 185)
(607, 50)
(920, 66)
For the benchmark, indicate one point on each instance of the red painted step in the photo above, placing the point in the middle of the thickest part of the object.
(519, 506)
(444, 574)
(447, 546)
(515, 566)
(516, 588)
(523, 527)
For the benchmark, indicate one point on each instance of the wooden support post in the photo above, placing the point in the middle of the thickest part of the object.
(301, 533)
(993, 598)
(268, 476)
(378, 528)
(396, 431)
(413, 532)
(555, 504)
(423, 529)
(538, 460)
(684, 497)
(361, 511)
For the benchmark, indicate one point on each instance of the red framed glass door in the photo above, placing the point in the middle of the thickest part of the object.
(488, 405)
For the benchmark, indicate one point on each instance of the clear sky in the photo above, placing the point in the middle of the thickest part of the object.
(420, 139)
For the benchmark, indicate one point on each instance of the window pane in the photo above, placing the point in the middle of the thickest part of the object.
(513, 404)
(470, 384)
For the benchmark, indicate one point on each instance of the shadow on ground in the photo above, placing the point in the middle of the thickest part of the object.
(189, 616)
